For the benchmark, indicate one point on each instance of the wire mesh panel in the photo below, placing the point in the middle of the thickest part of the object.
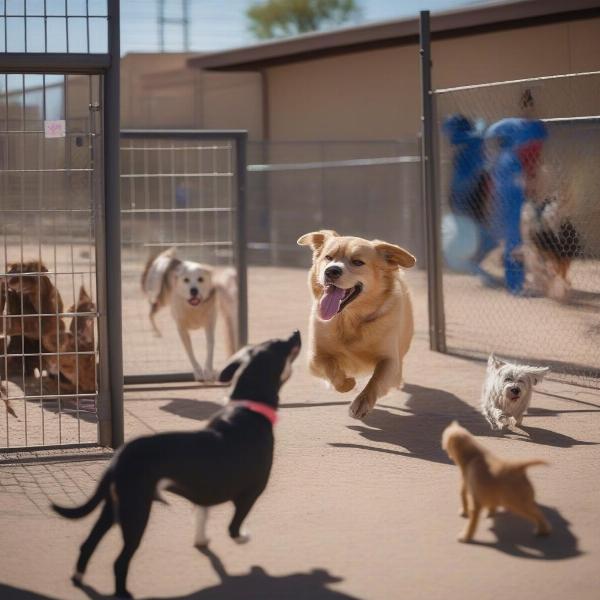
(365, 188)
(56, 123)
(521, 221)
(181, 193)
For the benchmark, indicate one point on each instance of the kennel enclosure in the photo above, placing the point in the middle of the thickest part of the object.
(183, 189)
(552, 318)
(59, 162)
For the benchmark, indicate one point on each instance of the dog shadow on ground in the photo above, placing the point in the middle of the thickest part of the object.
(257, 583)
(418, 426)
(189, 408)
(515, 537)
(546, 437)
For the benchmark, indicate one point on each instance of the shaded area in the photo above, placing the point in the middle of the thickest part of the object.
(190, 408)
(418, 429)
(515, 537)
(257, 584)
(538, 435)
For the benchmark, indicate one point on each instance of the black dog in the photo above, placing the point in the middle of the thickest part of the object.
(229, 460)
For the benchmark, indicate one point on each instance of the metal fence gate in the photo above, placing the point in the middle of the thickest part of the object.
(517, 198)
(183, 190)
(59, 266)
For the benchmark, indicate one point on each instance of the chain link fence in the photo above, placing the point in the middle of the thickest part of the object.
(520, 220)
(367, 188)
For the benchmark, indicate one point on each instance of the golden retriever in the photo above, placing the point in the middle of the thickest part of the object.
(361, 320)
(491, 482)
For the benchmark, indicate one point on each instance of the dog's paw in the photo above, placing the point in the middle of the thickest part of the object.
(243, 538)
(463, 513)
(77, 579)
(199, 375)
(210, 374)
(201, 543)
(360, 407)
(345, 386)
(463, 538)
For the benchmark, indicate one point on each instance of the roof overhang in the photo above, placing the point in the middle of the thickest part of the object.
(491, 17)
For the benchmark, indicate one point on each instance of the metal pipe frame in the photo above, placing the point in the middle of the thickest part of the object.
(112, 221)
(240, 140)
(110, 392)
(435, 298)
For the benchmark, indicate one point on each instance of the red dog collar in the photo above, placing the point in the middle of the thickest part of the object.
(257, 407)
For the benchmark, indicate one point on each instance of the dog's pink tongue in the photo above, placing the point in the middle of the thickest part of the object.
(330, 302)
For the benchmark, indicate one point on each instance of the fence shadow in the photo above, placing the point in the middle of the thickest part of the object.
(515, 537)
(200, 410)
(546, 437)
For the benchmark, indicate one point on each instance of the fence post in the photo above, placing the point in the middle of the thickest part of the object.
(112, 222)
(435, 299)
(241, 258)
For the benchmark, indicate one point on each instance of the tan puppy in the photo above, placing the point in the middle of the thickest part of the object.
(74, 358)
(361, 319)
(491, 482)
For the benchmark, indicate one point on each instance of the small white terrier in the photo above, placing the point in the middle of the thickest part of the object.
(507, 391)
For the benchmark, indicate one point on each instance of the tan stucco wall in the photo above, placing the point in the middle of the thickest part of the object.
(376, 94)
(161, 91)
(134, 67)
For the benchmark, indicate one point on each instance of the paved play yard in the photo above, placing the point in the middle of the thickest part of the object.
(354, 510)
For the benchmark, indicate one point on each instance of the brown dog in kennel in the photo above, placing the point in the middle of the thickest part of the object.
(36, 339)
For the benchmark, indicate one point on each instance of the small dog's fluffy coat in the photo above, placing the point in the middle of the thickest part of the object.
(507, 391)
(195, 293)
(491, 482)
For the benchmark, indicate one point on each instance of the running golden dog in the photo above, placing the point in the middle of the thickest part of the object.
(361, 321)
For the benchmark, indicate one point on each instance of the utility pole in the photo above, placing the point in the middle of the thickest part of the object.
(182, 21)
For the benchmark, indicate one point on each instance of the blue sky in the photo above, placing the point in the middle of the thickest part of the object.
(220, 24)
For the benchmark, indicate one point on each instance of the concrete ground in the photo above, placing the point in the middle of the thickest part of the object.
(353, 510)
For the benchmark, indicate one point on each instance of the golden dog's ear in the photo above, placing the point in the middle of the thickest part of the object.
(394, 255)
(316, 239)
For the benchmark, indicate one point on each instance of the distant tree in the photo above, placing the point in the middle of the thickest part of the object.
(279, 18)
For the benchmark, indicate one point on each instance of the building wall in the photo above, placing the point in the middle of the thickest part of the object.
(376, 94)
(133, 69)
(161, 91)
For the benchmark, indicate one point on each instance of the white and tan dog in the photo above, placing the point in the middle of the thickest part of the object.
(195, 293)
(507, 391)
(361, 321)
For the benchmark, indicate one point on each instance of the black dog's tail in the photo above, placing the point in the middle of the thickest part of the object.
(76, 512)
